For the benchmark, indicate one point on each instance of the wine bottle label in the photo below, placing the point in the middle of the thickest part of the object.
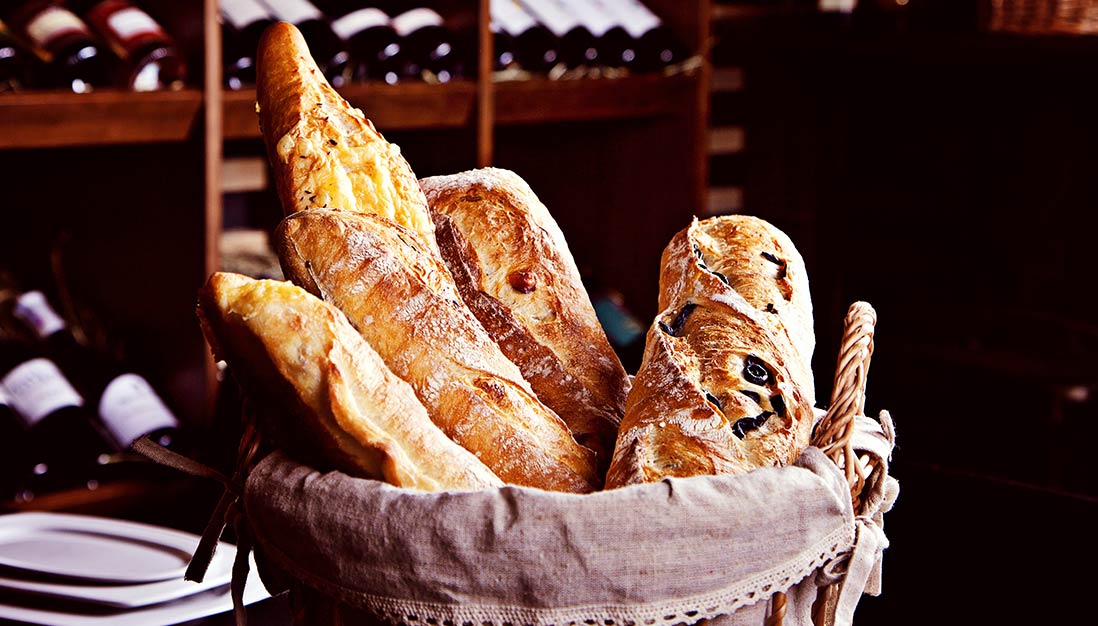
(592, 15)
(38, 388)
(130, 408)
(131, 22)
(294, 11)
(36, 312)
(240, 13)
(633, 16)
(357, 21)
(553, 14)
(409, 22)
(510, 17)
(53, 23)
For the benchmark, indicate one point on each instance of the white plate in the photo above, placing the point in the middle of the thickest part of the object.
(132, 596)
(99, 549)
(193, 607)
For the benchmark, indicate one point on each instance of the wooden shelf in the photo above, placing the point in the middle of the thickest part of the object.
(51, 119)
(632, 97)
(409, 106)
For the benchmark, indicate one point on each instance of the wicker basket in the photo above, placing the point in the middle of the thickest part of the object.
(1043, 17)
(824, 591)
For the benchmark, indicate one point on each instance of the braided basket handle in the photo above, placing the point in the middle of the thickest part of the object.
(833, 433)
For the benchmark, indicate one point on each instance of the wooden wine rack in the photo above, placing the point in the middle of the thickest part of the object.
(134, 179)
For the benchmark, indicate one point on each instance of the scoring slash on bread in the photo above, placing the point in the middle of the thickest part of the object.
(745, 255)
(405, 303)
(324, 152)
(323, 393)
(513, 269)
(722, 388)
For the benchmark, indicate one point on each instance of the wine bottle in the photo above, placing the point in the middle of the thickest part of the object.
(576, 45)
(426, 44)
(242, 24)
(611, 40)
(13, 63)
(75, 59)
(326, 47)
(13, 448)
(373, 42)
(503, 48)
(150, 59)
(533, 46)
(64, 446)
(647, 42)
(125, 402)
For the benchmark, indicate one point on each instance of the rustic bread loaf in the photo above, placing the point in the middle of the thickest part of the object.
(725, 385)
(404, 302)
(745, 255)
(322, 393)
(514, 270)
(323, 152)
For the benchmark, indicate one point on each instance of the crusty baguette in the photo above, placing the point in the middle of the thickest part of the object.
(406, 305)
(515, 272)
(713, 395)
(323, 393)
(323, 152)
(748, 256)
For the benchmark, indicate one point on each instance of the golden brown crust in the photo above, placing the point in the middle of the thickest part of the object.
(748, 256)
(515, 272)
(714, 395)
(322, 393)
(324, 152)
(405, 304)
(725, 385)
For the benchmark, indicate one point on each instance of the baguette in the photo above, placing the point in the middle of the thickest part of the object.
(515, 272)
(748, 256)
(725, 385)
(404, 302)
(322, 393)
(323, 152)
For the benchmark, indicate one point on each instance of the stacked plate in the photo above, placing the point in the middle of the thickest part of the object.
(77, 570)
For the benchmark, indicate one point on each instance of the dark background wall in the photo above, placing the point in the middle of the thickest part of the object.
(949, 176)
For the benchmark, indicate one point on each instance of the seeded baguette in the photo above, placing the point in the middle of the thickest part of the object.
(404, 302)
(323, 394)
(515, 272)
(324, 152)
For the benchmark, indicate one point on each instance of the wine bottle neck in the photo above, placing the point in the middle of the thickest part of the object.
(35, 311)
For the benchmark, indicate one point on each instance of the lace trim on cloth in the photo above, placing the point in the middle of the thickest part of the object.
(683, 610)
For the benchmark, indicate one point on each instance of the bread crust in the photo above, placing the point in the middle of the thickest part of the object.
(515, 272)
(695, 410)
(404, 302)
(725, 385)
(324, 152)
(745, 255)
(323, 394)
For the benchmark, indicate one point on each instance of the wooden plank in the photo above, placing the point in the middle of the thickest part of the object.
(405, 106)
(213, 138)
(485, 88)
(634, 97)
(50, 119)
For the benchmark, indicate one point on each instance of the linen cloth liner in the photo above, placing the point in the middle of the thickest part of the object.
(675, 551)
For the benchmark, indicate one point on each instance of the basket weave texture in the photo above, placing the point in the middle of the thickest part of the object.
(792, 545)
